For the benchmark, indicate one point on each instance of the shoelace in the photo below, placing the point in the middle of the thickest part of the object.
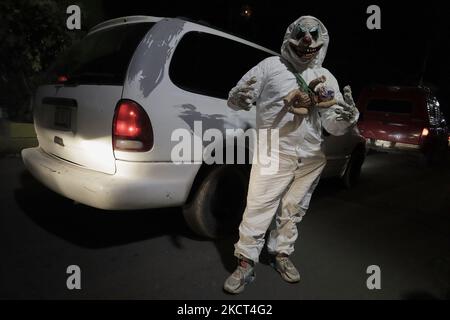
(239, 275)
(241, 272)
(285, 263)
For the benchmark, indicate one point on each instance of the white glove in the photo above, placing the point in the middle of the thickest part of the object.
(348, 112)
(243, 97)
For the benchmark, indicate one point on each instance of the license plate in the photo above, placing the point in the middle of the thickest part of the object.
(63, 118)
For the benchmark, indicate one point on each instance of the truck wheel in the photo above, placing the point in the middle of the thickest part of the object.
(353, 170)
(217, 205)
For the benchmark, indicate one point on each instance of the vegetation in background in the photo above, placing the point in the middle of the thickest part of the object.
(33, 33)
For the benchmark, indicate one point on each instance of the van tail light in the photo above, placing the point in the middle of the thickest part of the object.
(132, 130)
(425, 133)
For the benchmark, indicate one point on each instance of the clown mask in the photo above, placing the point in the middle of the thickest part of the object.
(306, 40)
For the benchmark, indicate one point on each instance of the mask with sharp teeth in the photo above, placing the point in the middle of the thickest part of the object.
(305, 43)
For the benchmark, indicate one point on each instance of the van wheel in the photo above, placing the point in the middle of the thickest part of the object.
(217, 205)
(353, 171)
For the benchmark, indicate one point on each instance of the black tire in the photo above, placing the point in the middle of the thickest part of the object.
(216, 206)
(353, 171)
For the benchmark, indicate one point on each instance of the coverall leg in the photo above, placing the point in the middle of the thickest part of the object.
(292, 184)
(294, 205)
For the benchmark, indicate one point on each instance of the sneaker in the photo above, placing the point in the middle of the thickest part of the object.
(244, 274)
(286, 269)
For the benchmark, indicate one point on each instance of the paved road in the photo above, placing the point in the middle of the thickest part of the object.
(398, 218)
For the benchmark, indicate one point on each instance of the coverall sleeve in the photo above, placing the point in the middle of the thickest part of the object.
(258, 73)
(329, 117)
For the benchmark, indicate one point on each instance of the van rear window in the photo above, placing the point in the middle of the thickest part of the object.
(390, 106)
(100, 58)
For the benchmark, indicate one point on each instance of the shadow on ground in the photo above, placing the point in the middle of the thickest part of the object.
(91, 228)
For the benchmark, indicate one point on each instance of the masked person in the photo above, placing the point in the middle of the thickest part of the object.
(270, 86)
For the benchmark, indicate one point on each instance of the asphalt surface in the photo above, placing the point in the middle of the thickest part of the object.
(398, 218)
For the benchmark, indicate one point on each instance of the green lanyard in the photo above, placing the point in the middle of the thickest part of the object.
(302, 84)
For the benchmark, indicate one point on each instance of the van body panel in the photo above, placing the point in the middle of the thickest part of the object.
(149, 84)
(82, 134)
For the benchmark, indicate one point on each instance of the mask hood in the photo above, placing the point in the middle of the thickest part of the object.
(288, 53)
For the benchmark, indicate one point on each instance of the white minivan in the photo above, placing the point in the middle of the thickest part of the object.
(106, 116)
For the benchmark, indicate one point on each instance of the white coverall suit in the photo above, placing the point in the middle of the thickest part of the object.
(301, 160)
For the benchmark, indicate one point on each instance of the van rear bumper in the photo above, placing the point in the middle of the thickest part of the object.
(135, 186)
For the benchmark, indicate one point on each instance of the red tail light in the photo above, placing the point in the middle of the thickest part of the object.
(62, 79)
(132, 130)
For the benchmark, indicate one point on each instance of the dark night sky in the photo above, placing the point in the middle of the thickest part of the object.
(393, 55)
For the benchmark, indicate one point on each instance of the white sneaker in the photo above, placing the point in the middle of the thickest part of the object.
(243, 275)
(286, 269)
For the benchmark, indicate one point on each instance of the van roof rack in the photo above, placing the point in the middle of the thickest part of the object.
(123, 20)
